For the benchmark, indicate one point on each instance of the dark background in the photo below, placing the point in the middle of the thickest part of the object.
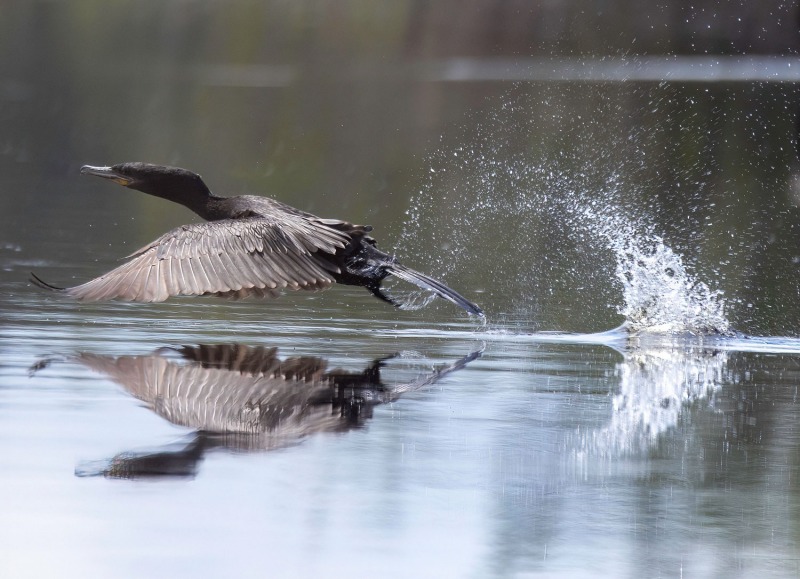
(348, 109)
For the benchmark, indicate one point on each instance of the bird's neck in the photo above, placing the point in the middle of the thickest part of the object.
(203, 202)
(210, 208)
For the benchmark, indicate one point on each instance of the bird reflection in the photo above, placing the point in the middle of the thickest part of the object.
(244, 398)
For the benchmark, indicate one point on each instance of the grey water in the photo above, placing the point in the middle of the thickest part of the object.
(629, 407)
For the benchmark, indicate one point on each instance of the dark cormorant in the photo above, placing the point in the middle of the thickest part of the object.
(250, 246)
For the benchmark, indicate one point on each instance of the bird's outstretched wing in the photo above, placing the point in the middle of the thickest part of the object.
(230, 258)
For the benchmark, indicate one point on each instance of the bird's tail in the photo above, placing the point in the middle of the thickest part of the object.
(437, 287)
(38, 282)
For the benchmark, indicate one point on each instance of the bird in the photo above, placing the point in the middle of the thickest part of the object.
(248, 246)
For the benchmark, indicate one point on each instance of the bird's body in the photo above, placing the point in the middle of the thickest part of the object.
(248, 246)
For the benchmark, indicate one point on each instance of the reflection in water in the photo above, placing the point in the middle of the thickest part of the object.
(716, 68)
(682, 454)
(661, 378)
(657, 383)
(706, 69)
(245, 398)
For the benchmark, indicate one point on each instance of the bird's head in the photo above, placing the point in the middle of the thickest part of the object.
(168, 182)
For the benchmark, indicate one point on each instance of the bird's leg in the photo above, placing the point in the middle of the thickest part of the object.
(375, 289)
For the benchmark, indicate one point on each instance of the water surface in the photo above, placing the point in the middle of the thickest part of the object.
(549, 453)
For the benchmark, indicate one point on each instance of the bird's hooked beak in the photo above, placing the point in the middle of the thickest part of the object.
(106, 173)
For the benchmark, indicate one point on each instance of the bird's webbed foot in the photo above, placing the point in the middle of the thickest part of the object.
(378, 293)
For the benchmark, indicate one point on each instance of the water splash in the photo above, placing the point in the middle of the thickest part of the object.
(660, 295)
(550, 213)
(407, 299)
(659, 292)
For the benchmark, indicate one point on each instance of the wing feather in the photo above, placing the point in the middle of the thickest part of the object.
(235, 258)
(171, 277)
(160, 292)
(141, 283)
(192, 285)
(177, 271)
(214, 265)
(206, 285)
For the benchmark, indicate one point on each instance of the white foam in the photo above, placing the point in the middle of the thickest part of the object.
(659, 292)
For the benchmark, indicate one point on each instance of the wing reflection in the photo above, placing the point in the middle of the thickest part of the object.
(245, 398)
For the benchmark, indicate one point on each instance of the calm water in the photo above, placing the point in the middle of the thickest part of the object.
(548, 454)
(567, 196)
